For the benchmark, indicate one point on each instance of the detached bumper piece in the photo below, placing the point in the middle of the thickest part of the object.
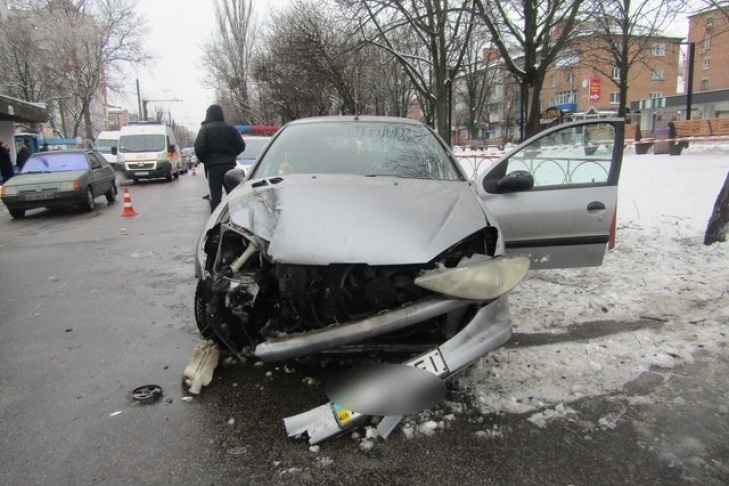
(488, 330)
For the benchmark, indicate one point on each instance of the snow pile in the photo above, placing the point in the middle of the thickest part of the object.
(660, 273)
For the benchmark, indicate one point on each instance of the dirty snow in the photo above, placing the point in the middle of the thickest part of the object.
(660, 271)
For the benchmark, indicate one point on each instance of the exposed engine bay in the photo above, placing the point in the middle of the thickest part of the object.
(246, 298)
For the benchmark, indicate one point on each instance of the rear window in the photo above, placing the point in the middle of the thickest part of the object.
(55, 162)
(141, 143)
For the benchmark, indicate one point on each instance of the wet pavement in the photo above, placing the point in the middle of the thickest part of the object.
(94, 305)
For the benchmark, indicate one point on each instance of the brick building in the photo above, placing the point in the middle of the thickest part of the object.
(709, 31)
(583, 78)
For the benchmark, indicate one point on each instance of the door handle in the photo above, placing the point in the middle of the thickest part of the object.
(595, 206)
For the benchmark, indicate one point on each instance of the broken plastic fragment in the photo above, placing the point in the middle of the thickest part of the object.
(199, 371)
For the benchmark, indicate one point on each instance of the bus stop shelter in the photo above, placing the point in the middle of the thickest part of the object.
(12, 111)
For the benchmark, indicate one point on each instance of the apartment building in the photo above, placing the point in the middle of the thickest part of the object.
(709, 32)
(584, 78)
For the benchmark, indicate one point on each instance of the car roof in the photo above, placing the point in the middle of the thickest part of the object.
(61, 152)
(355, 118)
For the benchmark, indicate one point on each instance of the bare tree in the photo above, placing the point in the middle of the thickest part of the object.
(428, 39)
(620, 33)
(227, 56)
(92, 40)
(530, 35)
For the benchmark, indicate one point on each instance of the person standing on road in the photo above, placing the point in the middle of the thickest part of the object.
(217, 145)
(23, 154)
(6, 165)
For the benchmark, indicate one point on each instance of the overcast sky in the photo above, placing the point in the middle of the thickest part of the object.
(176, 30)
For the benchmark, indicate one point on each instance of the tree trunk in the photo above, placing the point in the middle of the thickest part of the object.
(718, 226)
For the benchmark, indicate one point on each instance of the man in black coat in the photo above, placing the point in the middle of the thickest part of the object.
(22, 154)
(217, 145)
(6, 165)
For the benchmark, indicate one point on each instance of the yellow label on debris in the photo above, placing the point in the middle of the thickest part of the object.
(344, 416)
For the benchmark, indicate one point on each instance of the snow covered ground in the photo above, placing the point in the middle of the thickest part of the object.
(659, 270)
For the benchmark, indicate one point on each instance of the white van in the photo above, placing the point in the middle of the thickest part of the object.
(104, 142)
(149, 150)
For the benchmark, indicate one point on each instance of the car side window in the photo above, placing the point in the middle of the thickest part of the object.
(572, 157)
(95, 164)
(101, 160)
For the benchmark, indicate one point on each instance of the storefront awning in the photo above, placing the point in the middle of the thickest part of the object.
(15, 110)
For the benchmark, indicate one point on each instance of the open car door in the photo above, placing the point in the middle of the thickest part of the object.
(555, 196)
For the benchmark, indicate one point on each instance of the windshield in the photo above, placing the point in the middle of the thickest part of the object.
(367, 148)
(104, 145)
(253, 147)
(141, 143)
(55, 162)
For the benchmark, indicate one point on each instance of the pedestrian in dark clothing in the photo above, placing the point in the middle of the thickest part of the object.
(217, 145)
(44, 147)
(6, 165)
(23, 154)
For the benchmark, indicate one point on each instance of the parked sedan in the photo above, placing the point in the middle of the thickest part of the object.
(66, 178)
(364, 233)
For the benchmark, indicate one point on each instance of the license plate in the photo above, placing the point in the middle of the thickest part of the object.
(39, 196)
(432, 361)
(141, 172)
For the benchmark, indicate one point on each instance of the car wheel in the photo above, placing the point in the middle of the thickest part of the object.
(17, 213)
(111, 193)
(177, 175)
(89, 203)
(168, 176)
(201, 316)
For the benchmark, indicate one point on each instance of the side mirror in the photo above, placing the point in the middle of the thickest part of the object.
(519, 180)
(114, 150)
(232, 178)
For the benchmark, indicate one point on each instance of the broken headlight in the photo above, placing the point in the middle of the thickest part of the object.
(477, 278)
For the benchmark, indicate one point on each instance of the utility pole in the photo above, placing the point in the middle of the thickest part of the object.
(139, 100)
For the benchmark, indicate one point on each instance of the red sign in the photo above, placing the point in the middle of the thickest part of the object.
(595, 89)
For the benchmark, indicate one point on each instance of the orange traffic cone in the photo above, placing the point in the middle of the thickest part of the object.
(128, 208)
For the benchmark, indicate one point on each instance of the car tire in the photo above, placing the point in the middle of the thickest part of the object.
(176, 175)
(17, 213)
(168, 176)
(89, 203)
(111, 193)
(201, 318)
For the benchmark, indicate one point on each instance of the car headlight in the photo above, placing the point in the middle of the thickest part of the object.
(67, 186)
(477, 279)
(10, 191)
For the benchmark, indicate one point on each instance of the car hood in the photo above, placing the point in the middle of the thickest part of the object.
(324, 219)
(44, 178)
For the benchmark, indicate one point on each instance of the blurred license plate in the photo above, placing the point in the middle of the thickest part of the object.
(40, 196)
(141, 172)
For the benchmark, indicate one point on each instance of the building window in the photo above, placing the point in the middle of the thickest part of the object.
(553, 81)
(659, 50)
(657, 74)
(570, 79)
(656, 94)
(566, 97)
(615, 98)
(707, 63)
(616, 73)
(704, 84)
(707, 42)
(709, 24)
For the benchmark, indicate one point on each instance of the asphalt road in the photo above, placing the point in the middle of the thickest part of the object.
(93, 305)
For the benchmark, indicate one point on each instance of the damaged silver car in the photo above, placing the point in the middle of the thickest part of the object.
(365, 233)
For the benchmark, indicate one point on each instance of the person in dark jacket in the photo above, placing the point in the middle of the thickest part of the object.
(217, 145)
(22, 154)
(6, 165)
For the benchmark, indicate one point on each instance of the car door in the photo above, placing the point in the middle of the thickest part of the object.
(555, 196)
(97, 177)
